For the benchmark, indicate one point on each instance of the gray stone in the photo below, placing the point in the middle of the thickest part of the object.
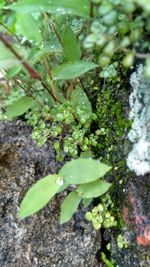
(38, 240)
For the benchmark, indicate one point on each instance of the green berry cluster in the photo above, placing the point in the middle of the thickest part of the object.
(121, 243)
(118, 28)
(101, 216)
(68, 126)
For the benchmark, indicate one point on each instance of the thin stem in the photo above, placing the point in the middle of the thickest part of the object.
(29, 94)
(91, 9)
(12, 33)
(30, 70)
(34, 74)
(52, 25)
(50, 78)
(71, 87)
(53, 28)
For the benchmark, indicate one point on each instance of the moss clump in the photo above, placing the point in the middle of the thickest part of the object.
(112, 125)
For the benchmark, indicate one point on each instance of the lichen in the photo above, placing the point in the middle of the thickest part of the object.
(139, 157)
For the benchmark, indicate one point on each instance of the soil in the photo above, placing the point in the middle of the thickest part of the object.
(38, 240)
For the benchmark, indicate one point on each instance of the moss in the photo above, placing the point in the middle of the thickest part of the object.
(112, 125)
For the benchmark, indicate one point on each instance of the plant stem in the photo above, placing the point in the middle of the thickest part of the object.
(34, 74)
(28, 93)
(12, 33)
(30, 70)
(50, 78)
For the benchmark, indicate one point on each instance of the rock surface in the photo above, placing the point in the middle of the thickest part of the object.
(38, 240)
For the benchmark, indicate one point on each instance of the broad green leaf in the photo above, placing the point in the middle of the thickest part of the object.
(94, 189)
(39, 195)
(81, 171)
(19, 107)
(87, 201)
(72, 70)
(71, 45)
(79, 98)
(7, 59)
(71, 7)
(62, 188)
(86, 154)
(27, 26)
(69, 207)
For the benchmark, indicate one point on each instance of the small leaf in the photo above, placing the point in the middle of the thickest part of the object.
(87, 201)
(72, 70)
(71, 45)
(39, 195)
(19, 107)
(94, 189)
(81, 171)
(79, 98)
(69, 207)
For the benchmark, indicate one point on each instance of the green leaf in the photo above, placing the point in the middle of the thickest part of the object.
(79, 98)
(94, 189)
(1, 4)
(62, 188)
(71, 45)
(86, 154)
(72, 70)
(71, 7)
(39, 195)
(36, 55)
(69, 207)
(81, 171)
(7, 59)
(19, 107)
(27, 26)
(12, 72)
(87, 201)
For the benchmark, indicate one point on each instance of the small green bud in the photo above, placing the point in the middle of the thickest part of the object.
(97, 226)
(100, 207)
(128, 60)
(95, 209)
(94, 220)
(56, 145)
(88, 216)
(107, 215)
(106, 223)
(100, 219)
(94, 214)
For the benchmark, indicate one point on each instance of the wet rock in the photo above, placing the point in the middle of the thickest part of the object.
(38, 240)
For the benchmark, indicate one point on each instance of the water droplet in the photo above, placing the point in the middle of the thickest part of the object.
(60, 181)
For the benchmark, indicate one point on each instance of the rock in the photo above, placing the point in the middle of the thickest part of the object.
(38, 240)
(139, 157)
